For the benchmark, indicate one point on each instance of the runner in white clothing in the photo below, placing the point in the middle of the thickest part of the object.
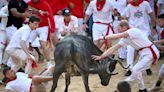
(148, 53)
(120, 5)
(18, 46)
(102, 17)
(137, 13)
(21, 82)
(68, 24)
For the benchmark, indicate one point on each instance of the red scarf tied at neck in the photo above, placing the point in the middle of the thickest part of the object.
(100, 4)
(136, 4)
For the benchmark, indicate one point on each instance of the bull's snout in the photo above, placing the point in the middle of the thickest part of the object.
(104, 83)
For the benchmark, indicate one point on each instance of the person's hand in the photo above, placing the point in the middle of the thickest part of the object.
(155, 42)
(71, 5)
(26, 14)
(63, 33)
(59, 12)
(84, 27)
(43, 12)
(95, 57)
(153, 32)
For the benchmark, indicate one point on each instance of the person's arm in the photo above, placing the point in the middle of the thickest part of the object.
(116, 36)
(107, 53)
(18, 14)
(153, 23)
(24, 47)
(159, 41)
(86, 18)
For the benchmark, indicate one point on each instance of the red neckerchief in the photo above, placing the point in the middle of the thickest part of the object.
(8, 80)
(100, 4)
(66, 22)
(136, 4)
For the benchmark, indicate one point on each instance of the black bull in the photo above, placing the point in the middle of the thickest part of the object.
(77, 50)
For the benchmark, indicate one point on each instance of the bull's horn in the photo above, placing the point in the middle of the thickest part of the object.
(122, 64)
(113, 73)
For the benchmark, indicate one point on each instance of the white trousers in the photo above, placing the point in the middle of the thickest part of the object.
(131, 52)
(19, 58)
(144, 62)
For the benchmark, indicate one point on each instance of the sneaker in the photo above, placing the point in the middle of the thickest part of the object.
(154, 88)
(49, 64)
(149, 72)
(128, 73)
(144, 90)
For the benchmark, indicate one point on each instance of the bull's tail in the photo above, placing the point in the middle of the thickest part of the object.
(74, 56)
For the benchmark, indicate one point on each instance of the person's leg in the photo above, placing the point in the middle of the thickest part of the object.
(48, 72)
(43, 35)
(130, 59)
(14, 54)
(157, 85)
(143, 64)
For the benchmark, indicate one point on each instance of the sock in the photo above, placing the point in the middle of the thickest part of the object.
(158, 83)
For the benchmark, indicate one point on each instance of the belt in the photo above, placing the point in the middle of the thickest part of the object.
(109, 26)
(152, 51)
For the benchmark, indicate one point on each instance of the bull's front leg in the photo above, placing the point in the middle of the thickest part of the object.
(85, 81)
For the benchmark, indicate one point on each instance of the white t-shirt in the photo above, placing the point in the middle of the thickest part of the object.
(22, 34)
(161, 2)
(139, 16)
(104, 15)
(21, 84)
(136, 39)
(72, 24)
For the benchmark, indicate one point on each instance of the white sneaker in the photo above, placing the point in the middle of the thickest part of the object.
(49, 64)
(154, 88)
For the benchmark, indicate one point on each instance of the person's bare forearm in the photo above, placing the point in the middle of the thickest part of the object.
(116, 36)
(110, 51)
(24, 47)
(152, 17)
(86, 18)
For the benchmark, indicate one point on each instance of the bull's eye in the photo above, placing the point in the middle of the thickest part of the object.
(107, 68)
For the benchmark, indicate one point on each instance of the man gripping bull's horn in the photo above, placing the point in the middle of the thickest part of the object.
(148, 52)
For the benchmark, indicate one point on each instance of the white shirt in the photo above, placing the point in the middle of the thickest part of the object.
(139, 16)
(21, 84)
(22, 34)
(136, 39)
(162, 3)
(70, 27)
(104, 15)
